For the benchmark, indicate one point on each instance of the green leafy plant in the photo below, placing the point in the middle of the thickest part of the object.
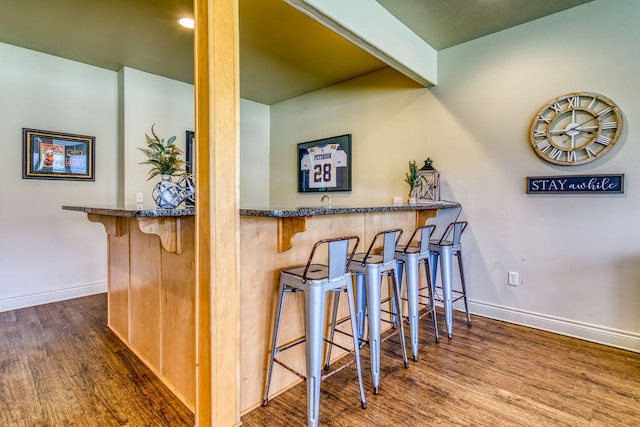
(164, 157)
(412, 177)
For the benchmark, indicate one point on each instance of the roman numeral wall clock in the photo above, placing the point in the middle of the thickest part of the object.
(576, 128)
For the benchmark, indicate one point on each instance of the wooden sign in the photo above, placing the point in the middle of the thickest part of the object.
(576, 184)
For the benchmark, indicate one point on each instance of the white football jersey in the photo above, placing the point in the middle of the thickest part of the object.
(322, 162)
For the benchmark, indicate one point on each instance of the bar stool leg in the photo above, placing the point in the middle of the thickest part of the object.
(445, 272)
(334, 317)
(361, 305)
(412, 300)
(399, 268)
(356, 343)
(433, 261)
(274, 342)
(464, 288)
(314, 308)
(403, 344)
(356, 340)
(372, 281)
(432, 307)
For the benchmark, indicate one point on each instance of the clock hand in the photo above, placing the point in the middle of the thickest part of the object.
(580, 125)
(581, 130)
(577, 129)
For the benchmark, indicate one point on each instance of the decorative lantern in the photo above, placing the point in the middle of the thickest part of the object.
(429, 188)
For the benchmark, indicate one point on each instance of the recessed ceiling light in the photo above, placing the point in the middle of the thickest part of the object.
(186, 22)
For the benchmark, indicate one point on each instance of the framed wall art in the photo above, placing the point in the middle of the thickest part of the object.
(55, 155)
(325, 165)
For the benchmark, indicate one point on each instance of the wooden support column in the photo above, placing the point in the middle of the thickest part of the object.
(217, 220)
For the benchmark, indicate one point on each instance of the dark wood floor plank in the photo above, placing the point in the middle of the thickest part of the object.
(490, 374)
(61, 366)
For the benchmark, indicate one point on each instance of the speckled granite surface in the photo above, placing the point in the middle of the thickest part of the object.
(342, 210)
(131, 211)
(285, 212)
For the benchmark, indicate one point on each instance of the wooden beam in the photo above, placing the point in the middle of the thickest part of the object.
(370, 26)
(217, 220)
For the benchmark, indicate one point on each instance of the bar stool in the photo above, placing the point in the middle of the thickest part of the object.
(368, 269)
(410, 257)
(315, 280)
(446, 249)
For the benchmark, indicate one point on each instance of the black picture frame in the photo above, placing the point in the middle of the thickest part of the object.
(57, 155)
(189, 153)
(324, 165)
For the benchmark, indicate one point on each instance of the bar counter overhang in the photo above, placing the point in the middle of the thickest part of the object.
(151, 280)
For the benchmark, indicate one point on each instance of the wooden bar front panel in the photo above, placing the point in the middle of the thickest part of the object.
(152, 297)
(260, 265)
(118, 295)
(177, 308)
(152, 292)
(144, 295)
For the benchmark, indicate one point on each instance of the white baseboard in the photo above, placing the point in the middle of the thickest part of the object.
(23, 301)
(599, 334)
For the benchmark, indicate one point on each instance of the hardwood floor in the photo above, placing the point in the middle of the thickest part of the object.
(61, 366)
(491, 374)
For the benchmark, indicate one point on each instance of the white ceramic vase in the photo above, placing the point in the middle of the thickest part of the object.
(166, 193)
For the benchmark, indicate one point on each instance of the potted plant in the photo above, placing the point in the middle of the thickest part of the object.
(164, 158)
(413, 179)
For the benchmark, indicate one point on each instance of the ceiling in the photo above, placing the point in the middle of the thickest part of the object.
(283, 53)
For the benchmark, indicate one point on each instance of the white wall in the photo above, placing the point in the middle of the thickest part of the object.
(148, 99)
(385, 112)
(254, 154)
(47, 254)
(578, 256)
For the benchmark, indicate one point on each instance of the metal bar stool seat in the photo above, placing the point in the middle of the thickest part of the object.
(368, 269)
(445, 248)
(315, 280)
(409, 257)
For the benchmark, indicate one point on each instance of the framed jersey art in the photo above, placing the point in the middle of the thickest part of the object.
(325, 165)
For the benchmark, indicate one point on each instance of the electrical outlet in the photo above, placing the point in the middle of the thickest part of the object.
(513, 278)
(139, 198)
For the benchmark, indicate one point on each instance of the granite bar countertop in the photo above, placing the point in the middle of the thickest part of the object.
(274, 212)
(131, 211)
(290, 212)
